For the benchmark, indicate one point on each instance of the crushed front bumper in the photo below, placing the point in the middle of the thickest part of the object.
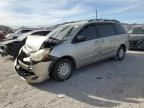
(33, 73)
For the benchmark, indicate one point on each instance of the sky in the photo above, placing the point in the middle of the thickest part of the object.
(50, 12)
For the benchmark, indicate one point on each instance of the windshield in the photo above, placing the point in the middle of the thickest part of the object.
(136, 31)
(63, 32)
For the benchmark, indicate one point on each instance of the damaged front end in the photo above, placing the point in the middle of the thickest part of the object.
(35, 60)
(34, 66)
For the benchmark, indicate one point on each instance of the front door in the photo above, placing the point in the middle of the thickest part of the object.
(87, 51)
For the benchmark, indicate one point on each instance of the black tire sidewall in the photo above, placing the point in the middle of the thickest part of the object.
(118, 51)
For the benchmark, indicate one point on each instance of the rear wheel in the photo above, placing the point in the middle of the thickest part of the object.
(120, 53)
(62, 70)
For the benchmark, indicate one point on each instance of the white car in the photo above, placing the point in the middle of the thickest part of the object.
(18, 33)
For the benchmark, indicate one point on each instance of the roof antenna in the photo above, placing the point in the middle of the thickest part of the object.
(96, 14)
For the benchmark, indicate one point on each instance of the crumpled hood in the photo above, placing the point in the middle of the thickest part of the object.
(33, 43)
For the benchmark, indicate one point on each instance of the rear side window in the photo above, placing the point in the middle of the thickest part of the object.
(89, 32)
(41, 33)
(119, 29)
(105, 30)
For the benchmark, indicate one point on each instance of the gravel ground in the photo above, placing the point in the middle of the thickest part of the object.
(109, 84)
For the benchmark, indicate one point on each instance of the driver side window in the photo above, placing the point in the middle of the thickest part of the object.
(89, 32)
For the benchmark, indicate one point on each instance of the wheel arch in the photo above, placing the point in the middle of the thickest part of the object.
(69, 58)
(124, 46)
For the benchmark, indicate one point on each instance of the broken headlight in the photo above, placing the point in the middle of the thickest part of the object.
(41, 55)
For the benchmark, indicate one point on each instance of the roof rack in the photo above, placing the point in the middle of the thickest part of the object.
(74, 21)
(92, 20)
(102, 20)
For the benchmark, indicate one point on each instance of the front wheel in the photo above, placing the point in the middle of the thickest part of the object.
(62, 70)
(120, 53)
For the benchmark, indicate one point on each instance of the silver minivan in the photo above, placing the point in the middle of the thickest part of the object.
(69, 47)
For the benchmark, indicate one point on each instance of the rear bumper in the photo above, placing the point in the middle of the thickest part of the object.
(33, 73)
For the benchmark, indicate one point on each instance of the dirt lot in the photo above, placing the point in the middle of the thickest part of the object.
(105, 84)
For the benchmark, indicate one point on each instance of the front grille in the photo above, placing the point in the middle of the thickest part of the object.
(22, 72)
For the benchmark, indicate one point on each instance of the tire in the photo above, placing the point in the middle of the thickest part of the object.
(62, 70)
(120, 55)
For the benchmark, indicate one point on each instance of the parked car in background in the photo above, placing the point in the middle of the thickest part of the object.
(136, 36)
(2, 35)
(4, 30)
(70, 46)
(18, 33)
(12, 47)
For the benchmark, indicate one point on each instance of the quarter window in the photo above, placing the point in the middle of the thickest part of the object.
(119, 29)
(105, 30)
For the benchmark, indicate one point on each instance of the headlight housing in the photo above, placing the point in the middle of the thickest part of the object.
(41, 55)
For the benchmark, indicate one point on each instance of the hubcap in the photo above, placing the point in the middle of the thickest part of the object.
(64, 70)
(121, 53)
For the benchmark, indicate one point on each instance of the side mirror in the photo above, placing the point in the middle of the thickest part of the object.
(80, 38)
